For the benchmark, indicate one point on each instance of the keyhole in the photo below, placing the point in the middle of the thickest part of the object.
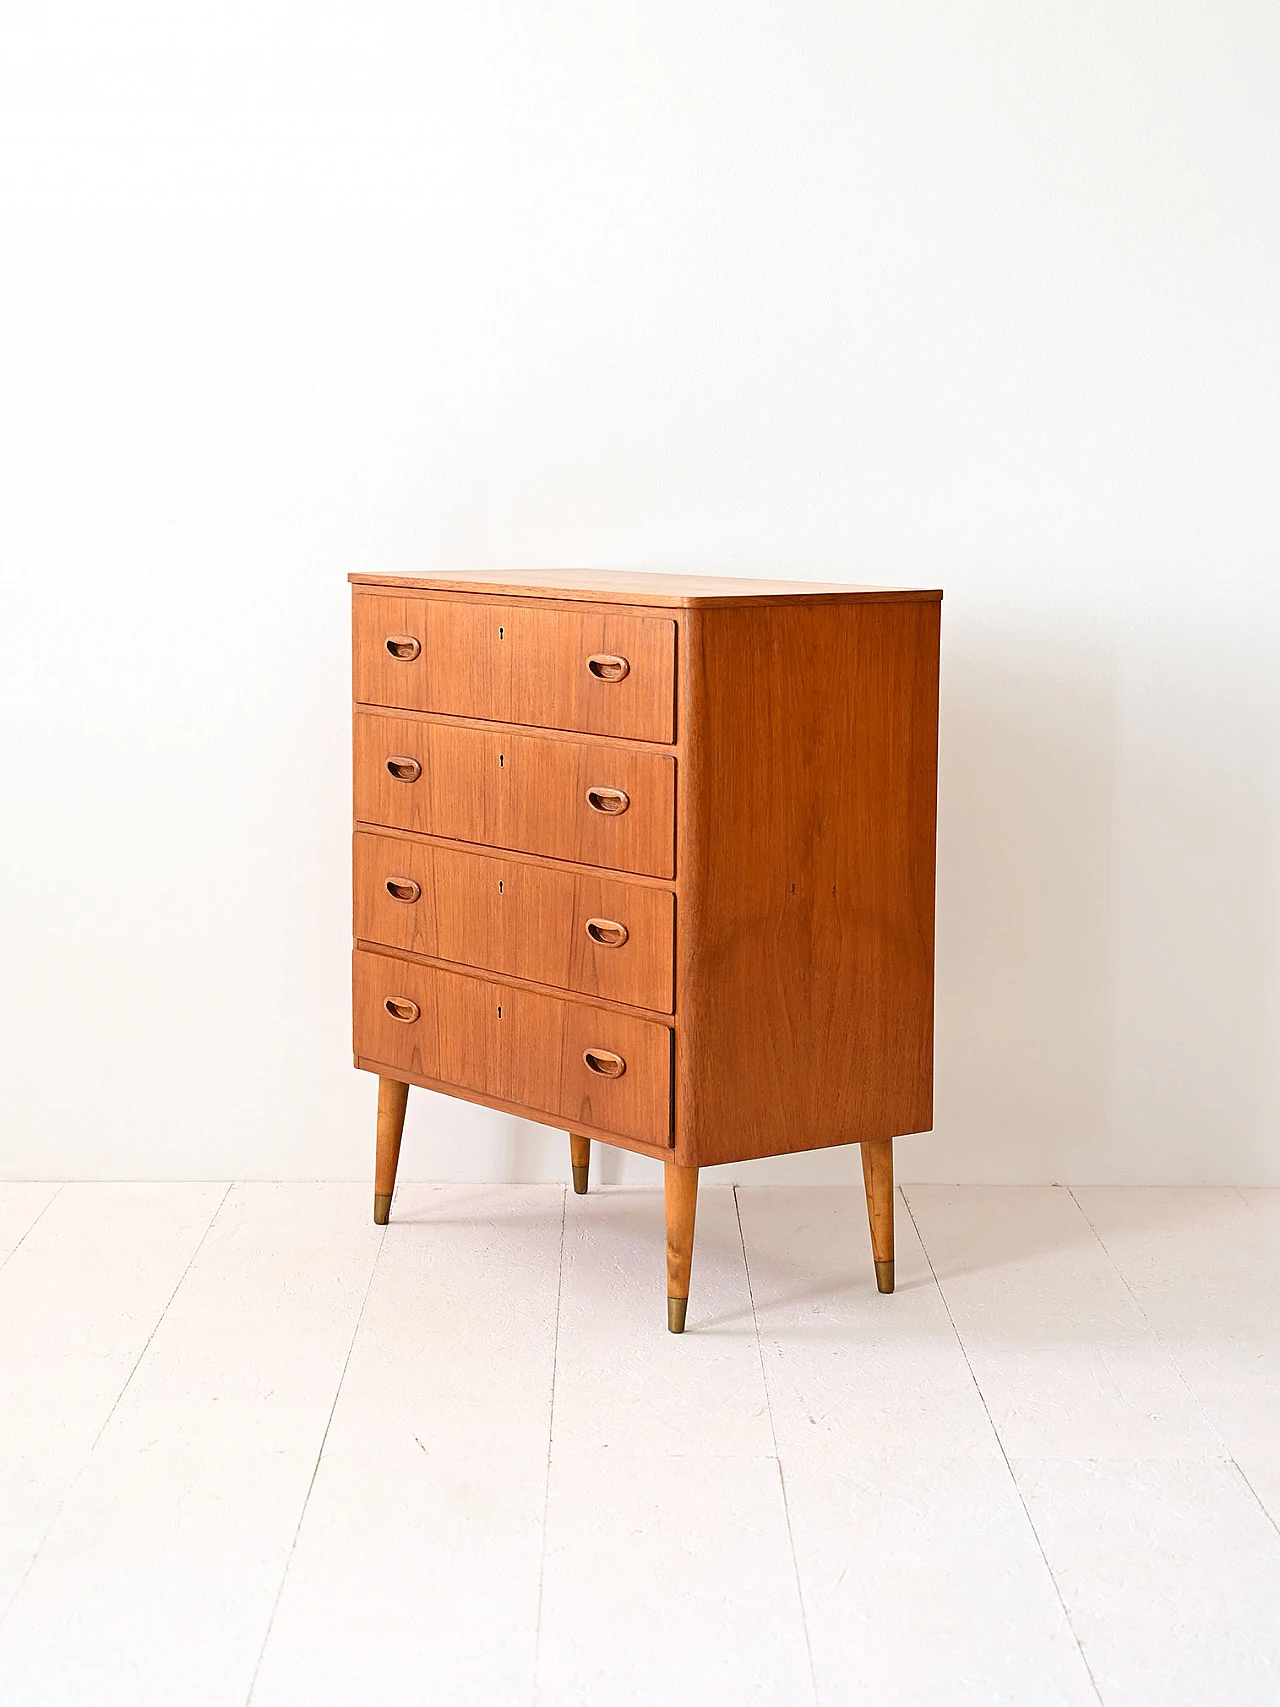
(499, 886)
(502, 759)
(499, 1010)
(501, 633)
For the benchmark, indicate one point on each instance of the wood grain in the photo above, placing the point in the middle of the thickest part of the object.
(660, 1152)
(510, 1044)
(508, 790)
(633, 879)
(517, 664)
(804, 966)
(515, 918)
(639, 587)
(573, 996)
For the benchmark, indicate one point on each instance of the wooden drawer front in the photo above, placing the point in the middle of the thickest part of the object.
(555, 927)
(515, 1046)
(588, 670)
(526, 792)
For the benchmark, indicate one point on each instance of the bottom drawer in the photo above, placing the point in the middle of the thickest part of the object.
(567, 1060)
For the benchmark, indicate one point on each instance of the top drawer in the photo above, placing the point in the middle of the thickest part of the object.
(602, 673)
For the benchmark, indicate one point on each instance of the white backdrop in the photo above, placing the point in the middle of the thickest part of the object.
(900, 291)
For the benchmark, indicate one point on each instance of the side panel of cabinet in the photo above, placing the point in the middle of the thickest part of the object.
(808, 789)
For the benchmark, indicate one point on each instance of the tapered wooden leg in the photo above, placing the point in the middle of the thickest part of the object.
(393, 1098)
(682, 1208)
(877, 1176)
(580, 1160)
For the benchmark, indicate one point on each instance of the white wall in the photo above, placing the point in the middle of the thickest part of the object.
(980, 296)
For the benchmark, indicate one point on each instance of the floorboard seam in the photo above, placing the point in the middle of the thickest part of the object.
(57, 1193)
(551, 1425)
(1154, 1330)
(115, 1406)
(1026, 1510)
(773, 1435)
(1169, 1352)
(315, 1468)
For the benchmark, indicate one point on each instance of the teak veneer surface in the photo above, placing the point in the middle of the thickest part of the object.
(639, 587)
(805, 946)
(512, 1044)
(634, 879)
(517, 664)
(516, 918)
(661, 1151)
(509, 790)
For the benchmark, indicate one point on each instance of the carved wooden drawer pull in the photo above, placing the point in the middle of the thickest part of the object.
(607, 666)
(605, 1062)
(403, 889)
(401, 1008)
(404, 646)
(607, 932)
(404, 769)
(608, 800)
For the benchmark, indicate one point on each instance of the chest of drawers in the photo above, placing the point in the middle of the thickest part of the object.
(649, 858)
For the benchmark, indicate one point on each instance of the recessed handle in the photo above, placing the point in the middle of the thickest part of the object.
(610, 801)
(607, 932)
(404, 646)
(403, 889)
(401, 1008)
(605, 1063)
(404, 769)
(608, 667)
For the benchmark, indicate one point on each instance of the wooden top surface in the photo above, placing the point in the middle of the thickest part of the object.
(638, 587)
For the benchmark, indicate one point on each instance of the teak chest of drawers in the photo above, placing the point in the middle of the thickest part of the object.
(650, 858)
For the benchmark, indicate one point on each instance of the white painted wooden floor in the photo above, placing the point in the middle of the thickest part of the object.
(253, 1449)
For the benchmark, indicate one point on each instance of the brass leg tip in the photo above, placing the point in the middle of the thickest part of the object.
(676, 1308)
(884, 1275)
(580, 1177)
(381, 1209)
